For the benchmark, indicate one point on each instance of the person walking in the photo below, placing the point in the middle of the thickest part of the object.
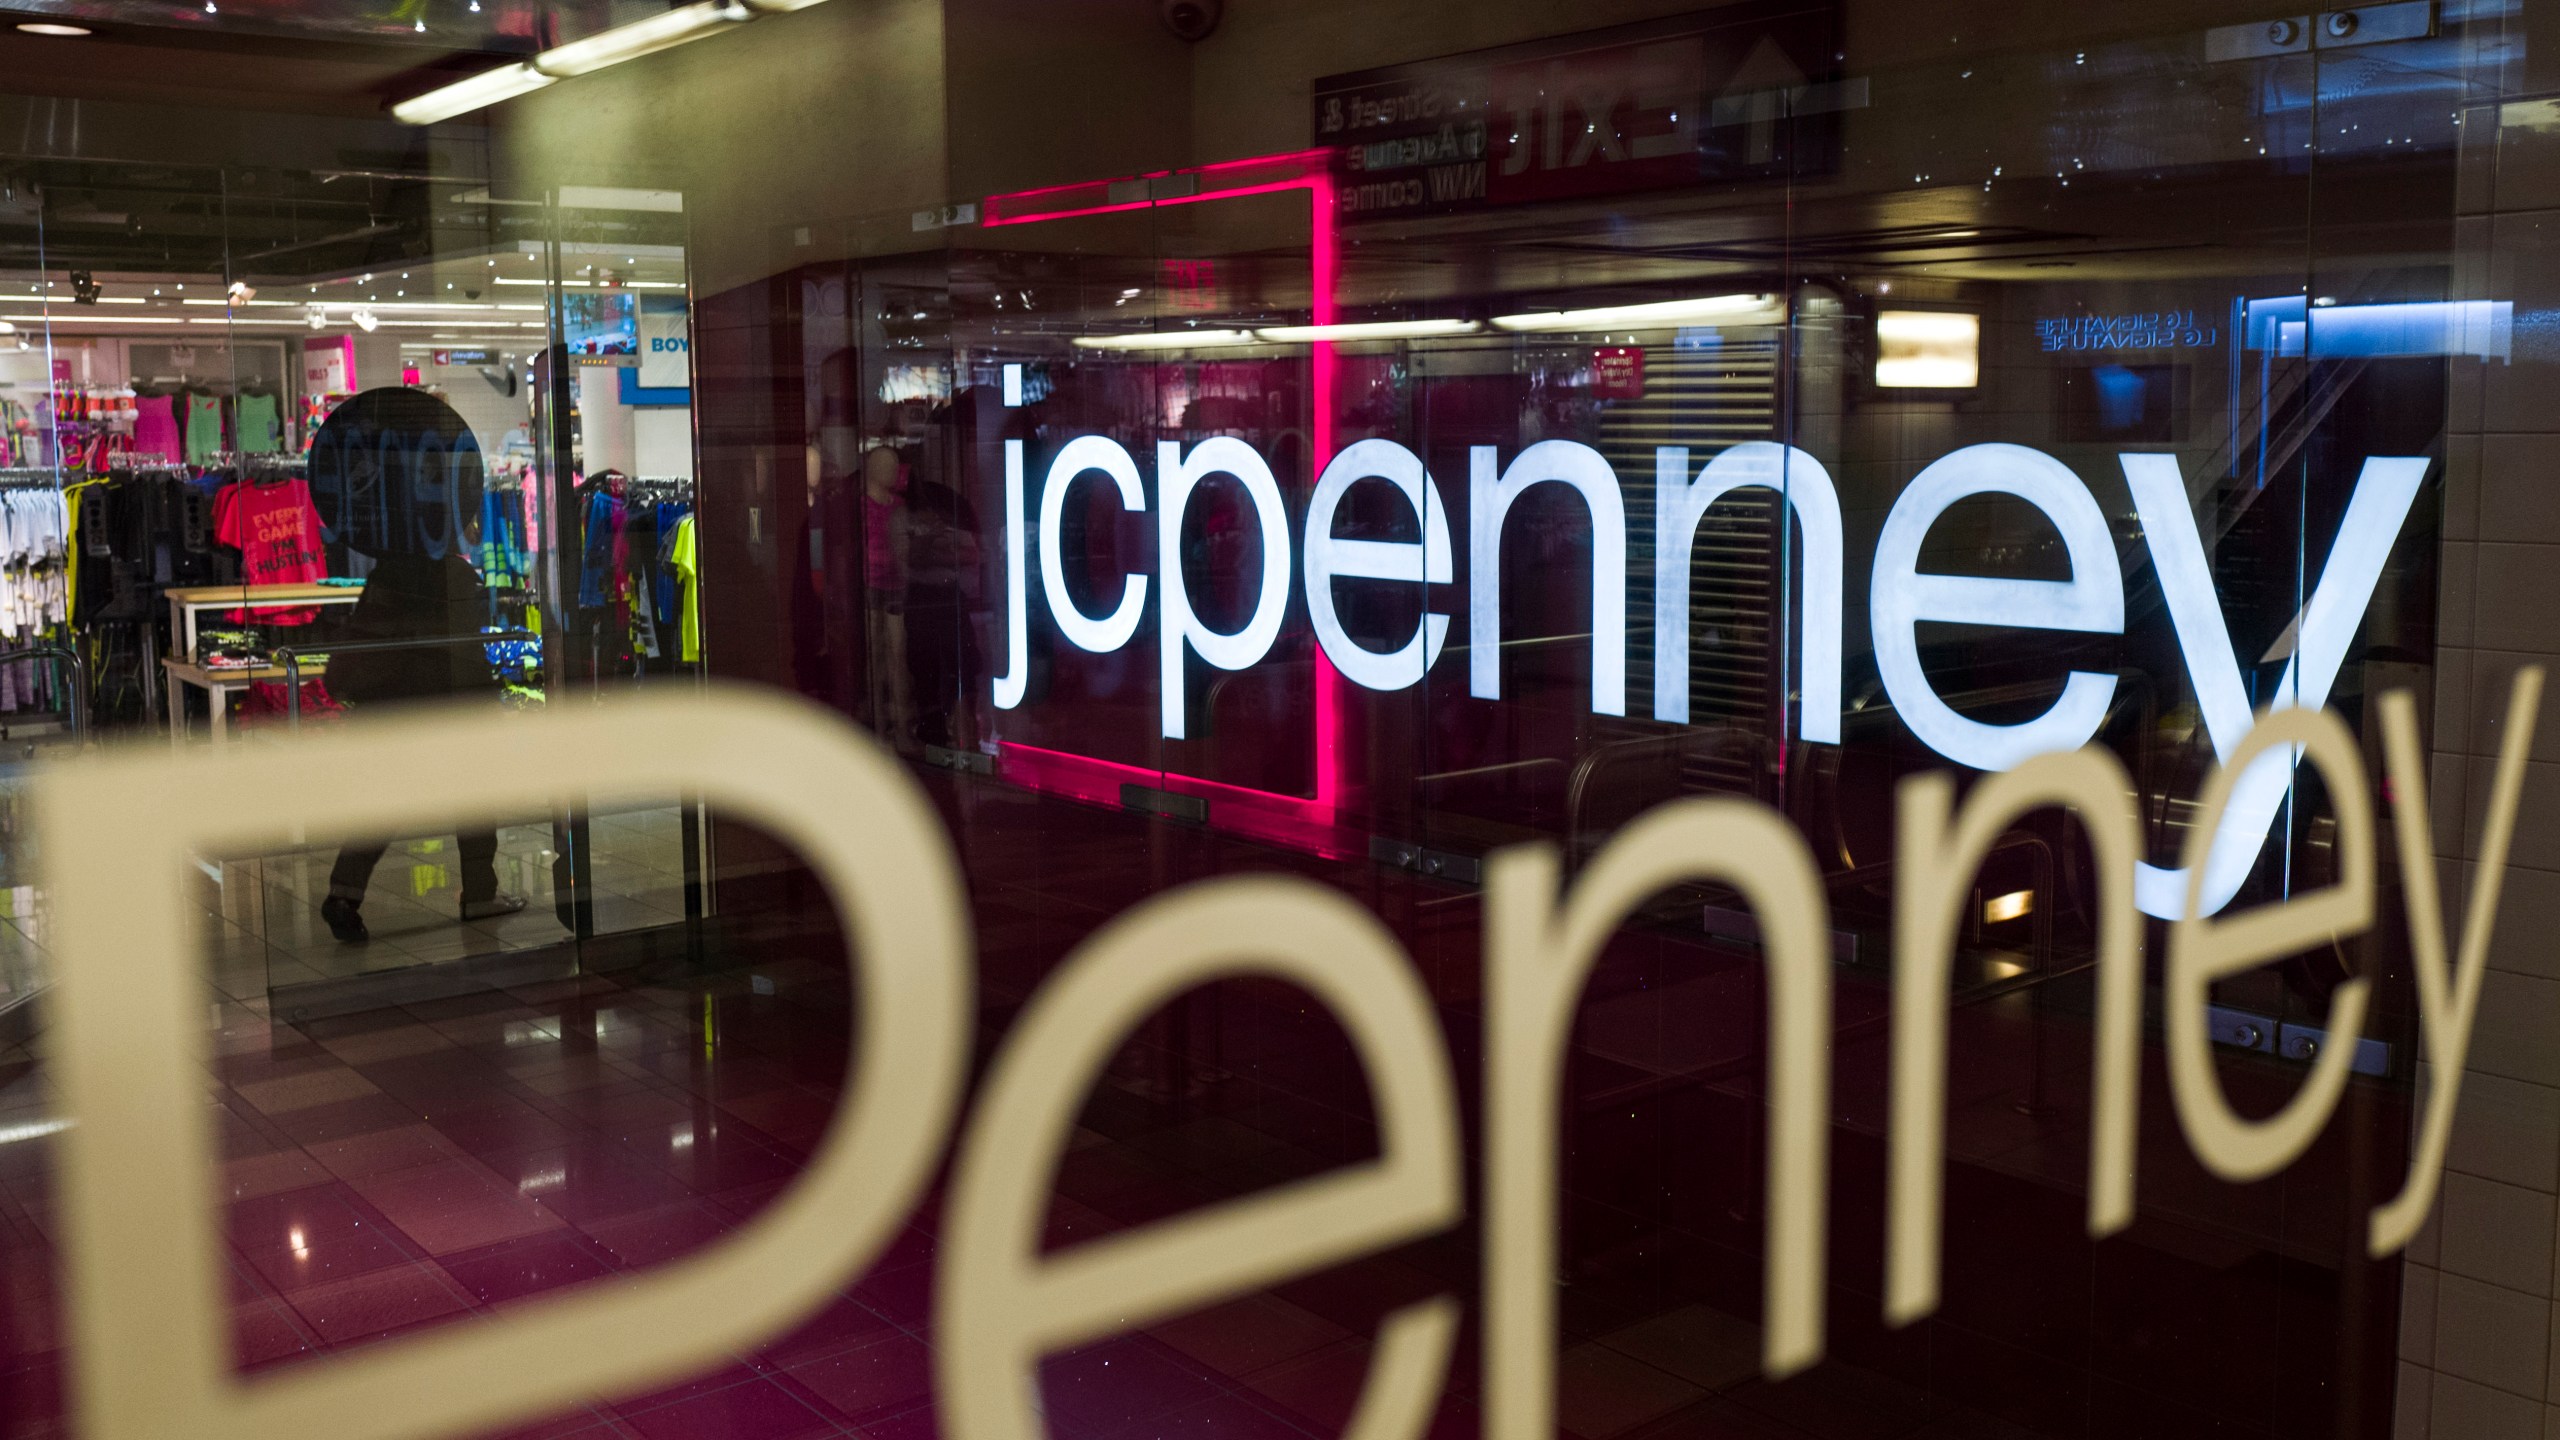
(413, 597)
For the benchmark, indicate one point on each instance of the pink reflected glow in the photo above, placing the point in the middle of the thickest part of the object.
(1295, 821)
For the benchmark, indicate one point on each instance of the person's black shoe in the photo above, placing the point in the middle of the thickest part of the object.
(344, 921)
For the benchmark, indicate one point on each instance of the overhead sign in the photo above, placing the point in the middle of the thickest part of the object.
(2147, 330)
(665, 344)
(329, 365)
(1617, 372)
(1732, 94)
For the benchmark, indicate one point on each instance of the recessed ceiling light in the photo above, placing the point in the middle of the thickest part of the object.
(51, 27)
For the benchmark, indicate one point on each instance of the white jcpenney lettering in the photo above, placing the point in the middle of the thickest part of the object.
(2375, 512)
(1901, 595)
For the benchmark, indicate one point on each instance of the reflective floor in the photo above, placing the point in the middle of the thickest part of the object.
(413, 1166)
(264, 911)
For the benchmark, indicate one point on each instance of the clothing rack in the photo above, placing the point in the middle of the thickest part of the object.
(254, 465)
(654, 489)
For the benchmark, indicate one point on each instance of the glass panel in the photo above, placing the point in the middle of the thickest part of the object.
(44, 690)
(252, 411)
(620, 462)
(1502, 424)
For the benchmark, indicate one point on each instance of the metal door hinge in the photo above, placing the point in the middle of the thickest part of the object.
(1440, 864)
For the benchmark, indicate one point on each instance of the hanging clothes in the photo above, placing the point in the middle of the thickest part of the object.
(155, 429)
(505, 559)
(256, 426)
(315, 410)
(681, 558)
(277, 531)
(71, 511)
(34, 594)
(670, 514)
(204, 428)
(34, 543)
(604, 553)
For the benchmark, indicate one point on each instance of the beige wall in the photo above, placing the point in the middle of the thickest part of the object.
(1044, 92)
(2480, 1311)
(810, 119)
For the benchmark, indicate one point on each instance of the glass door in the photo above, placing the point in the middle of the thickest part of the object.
(615, 462)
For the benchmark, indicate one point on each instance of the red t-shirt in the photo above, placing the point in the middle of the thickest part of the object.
(278, 535)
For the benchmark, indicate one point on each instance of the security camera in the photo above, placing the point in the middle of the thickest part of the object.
(1190, 20)
(470, 292)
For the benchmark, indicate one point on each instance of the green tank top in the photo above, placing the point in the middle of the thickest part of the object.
(254, 421)
(204, 428)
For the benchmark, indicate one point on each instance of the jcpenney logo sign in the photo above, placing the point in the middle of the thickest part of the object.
(1901, 595)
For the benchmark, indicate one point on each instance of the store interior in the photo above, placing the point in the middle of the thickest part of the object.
(176, 340)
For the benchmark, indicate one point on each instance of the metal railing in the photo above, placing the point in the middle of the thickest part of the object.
(65, 659)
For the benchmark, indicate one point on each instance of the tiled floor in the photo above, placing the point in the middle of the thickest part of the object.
(263, 911)
(413, 1167)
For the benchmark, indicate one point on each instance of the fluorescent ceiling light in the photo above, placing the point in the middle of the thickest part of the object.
(641, 37)
(1371, 330)
(630, 252)
(591, 285)
(1165, 340)
(50, 27)
(464, 96)
(84, 319)
(408, 305)
(585, 56)
(31, 1130)
(1928, 350)
(381, 305)
(1660, 315)
(620, 197)
(9, 324)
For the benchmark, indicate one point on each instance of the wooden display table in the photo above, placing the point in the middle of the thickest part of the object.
(188, 602)
(218, 685)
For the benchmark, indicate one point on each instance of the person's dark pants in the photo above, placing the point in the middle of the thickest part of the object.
(354, 870)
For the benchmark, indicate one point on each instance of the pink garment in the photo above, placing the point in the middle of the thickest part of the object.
(277, 531)
(155, 429)
(879, 558)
